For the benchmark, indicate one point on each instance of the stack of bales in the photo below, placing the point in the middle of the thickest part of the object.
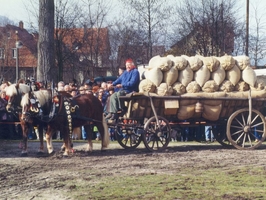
(199, 76)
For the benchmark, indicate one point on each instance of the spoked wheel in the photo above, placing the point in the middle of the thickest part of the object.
(243, 133)
(128, 137)
(156, 136)
(219, 132)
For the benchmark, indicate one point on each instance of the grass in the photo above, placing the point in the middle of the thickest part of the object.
(190, 183)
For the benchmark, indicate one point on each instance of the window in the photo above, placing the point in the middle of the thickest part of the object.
(14, 53)
(2, 53)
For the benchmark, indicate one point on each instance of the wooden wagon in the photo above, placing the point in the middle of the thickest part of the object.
(236, 119)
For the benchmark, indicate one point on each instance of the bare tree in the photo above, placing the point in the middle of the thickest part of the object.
(149, 18)
(67, 15)
(46, 41)
(207, 26)
(257, 38)
(96, 47)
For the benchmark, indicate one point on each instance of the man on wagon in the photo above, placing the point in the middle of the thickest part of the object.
(126, 83)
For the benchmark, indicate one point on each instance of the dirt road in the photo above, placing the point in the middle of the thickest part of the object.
(50, 177)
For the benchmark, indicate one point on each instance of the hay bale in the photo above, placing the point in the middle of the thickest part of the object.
(218, 76)
(186, 112)
(242, 86)
(155, 75)
(185, 76)
(164, 90)
(260, 85)
(210, 62)
(245, 94)
(210, 86)
(227, 62)
(193, 87)
(202, 75)
(249, 76)
(178, 88)
(242, 61)
(233, 75)
(146, 86)
(170, 76)
(211, 113)
(194, 62)
(179, 62)
(163, 63)
(227, 86)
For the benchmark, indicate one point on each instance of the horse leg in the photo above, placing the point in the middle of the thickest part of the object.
(39, 129)
(25, 130)
(48, 137)
(89, 131)
(67, 140)
(103, 130)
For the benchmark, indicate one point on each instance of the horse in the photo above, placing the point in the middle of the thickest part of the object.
(15, 93)
(65, 113)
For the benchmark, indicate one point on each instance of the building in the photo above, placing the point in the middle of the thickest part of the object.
(82, 53)
(205, 41)
(25, 61)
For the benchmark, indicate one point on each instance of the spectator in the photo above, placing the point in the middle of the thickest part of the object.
(67, 88)
(128, 82)
(208, 134)
(88, 88)
(81, 90)
(60, 86)
(6, 117)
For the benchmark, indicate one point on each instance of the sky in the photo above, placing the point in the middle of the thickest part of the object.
(16, 9)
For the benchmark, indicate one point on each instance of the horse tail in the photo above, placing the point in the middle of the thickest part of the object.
(106, 138)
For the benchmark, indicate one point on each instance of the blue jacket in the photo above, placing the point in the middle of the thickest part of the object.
(129, 80)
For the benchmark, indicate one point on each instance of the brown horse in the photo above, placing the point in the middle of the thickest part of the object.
(63, 113)
(70, 112)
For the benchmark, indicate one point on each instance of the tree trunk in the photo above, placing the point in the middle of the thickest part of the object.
(45, 69)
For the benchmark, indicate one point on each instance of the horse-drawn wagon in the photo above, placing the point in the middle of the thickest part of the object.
(150, 118)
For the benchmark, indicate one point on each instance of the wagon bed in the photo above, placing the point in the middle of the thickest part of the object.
(151, 118)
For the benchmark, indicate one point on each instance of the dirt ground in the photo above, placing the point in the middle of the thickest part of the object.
(36, 177)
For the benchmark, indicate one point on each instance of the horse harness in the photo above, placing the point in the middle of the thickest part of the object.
(58, 102)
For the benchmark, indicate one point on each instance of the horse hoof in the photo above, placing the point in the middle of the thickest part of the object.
(23, 154)
(51, 153)
(40, 153)
(65, 156)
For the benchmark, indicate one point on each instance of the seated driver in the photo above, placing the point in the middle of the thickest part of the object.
(126, 83)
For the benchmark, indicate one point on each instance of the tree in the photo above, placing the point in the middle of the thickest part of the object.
(45, 67)
(150, 19)
(207, 27)
(257, 41)
(94, 21)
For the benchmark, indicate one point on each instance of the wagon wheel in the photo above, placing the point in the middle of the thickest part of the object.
(241, 134)
(219, 132)
(128, 138)
(156, 136)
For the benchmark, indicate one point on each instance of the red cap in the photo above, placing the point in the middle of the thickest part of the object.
(129, 60)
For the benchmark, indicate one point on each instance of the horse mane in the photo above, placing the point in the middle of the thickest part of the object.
(43, 96)
(11, 90)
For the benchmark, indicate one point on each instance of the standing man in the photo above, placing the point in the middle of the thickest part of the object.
(126, 83)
